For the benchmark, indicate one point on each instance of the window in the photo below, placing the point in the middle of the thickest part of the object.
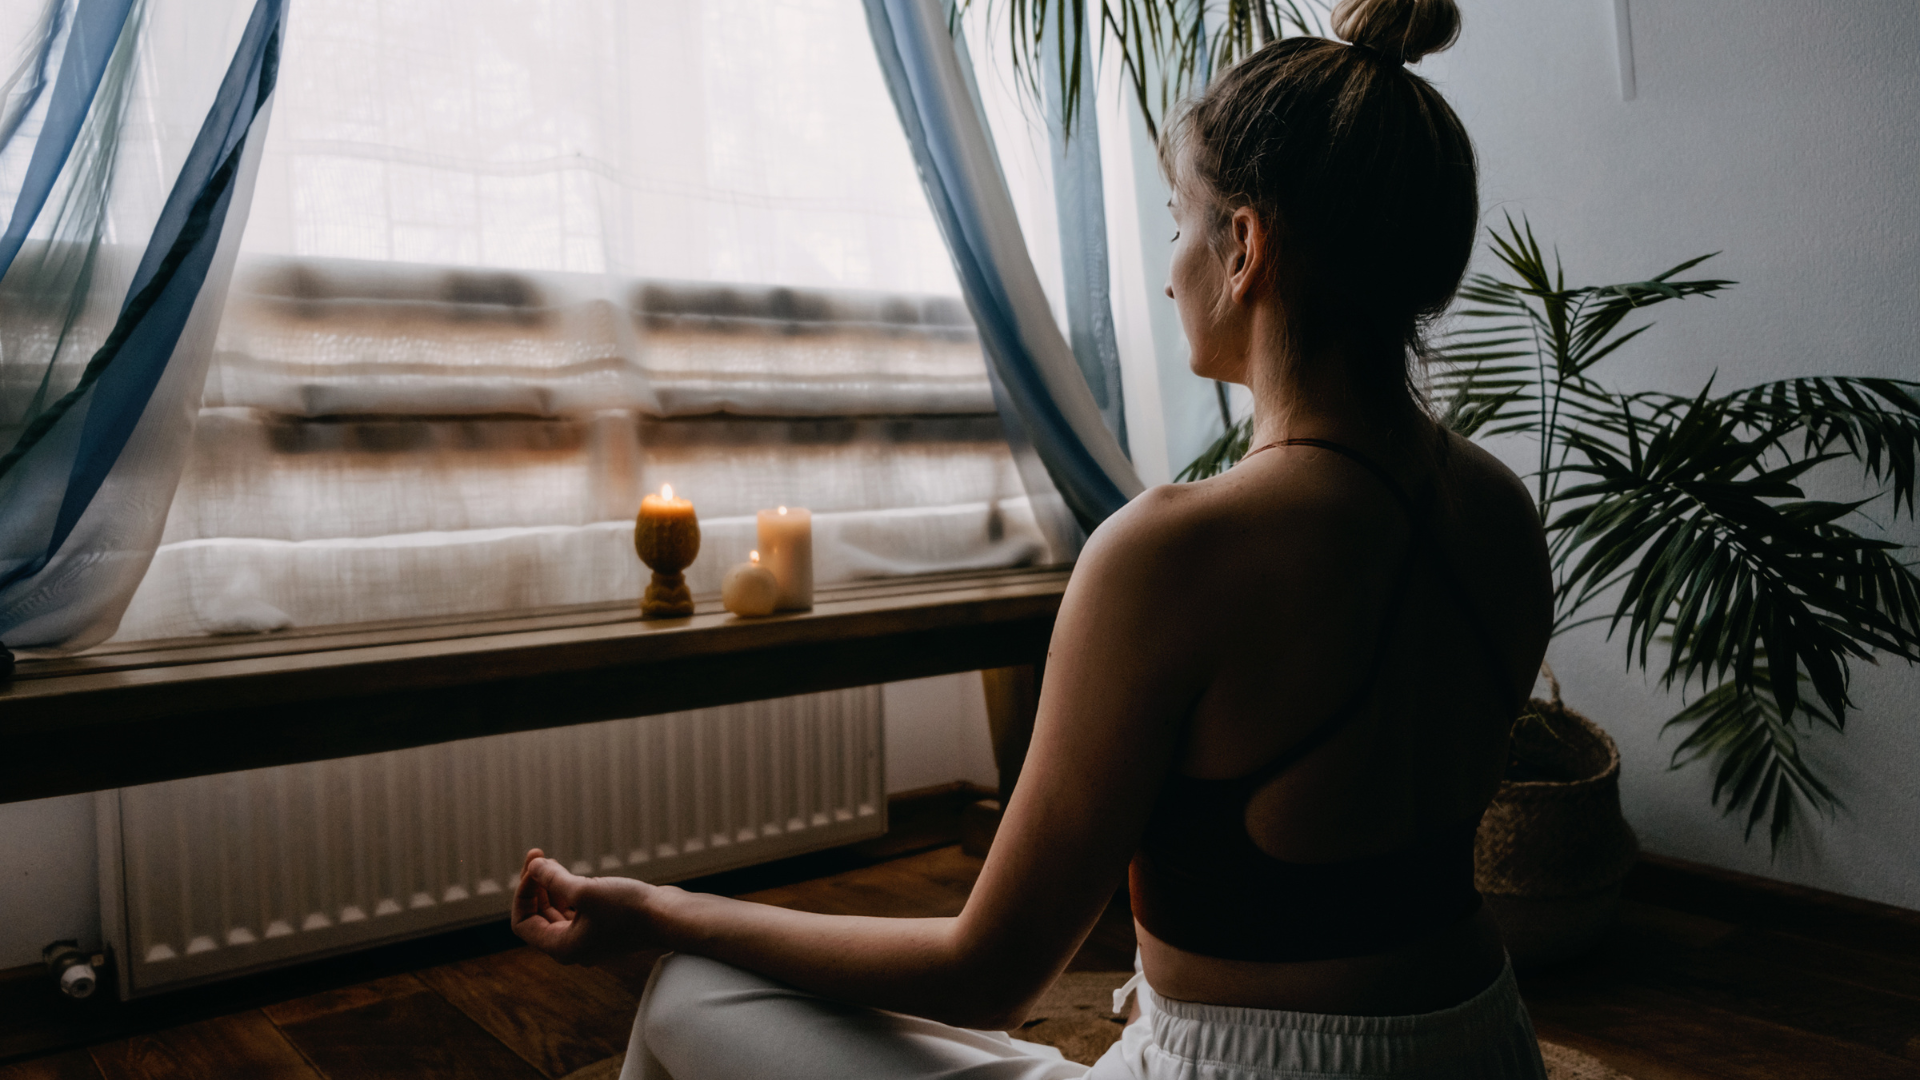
(511, 265)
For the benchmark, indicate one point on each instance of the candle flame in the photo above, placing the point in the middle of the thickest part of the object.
(753, 557)
(666, 492)
(783, 510)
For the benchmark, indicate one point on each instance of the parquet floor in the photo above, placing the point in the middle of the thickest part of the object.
(1712, 974)
(1707, 976)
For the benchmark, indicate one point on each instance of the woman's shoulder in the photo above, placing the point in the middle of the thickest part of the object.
(1475, 473)
(1162, 525)
(1492, 531)
(1178, 516)
(1261, 510)
(1487, 505)
(1314, 515)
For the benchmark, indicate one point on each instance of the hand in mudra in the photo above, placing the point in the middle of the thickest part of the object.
(578, 920)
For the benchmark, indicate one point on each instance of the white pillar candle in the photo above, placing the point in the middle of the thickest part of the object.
(750, 589)
(786, 548)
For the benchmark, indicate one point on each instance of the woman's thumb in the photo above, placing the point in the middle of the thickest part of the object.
(561, 885)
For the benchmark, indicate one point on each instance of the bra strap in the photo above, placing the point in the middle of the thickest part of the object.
(1386, 478)
(1489, 648)
(1389, 618)
(1417, 532)
(1350, 708)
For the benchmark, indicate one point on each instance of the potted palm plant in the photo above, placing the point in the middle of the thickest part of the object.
(1682, 520)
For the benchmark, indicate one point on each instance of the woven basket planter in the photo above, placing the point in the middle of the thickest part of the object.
(1553, 849)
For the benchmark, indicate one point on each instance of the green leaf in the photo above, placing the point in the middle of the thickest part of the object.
(1165, 47)
(1682, 519)
(1222, 454)
(1759, 767)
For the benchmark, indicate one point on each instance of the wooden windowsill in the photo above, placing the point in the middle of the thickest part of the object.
(148, 711)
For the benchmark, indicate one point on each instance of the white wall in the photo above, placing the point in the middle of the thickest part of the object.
(1782, 134)
(48, 878)
(936, 732)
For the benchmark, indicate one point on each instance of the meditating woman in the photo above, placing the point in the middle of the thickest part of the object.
(1279, 698)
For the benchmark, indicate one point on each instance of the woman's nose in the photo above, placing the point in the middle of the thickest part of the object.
(1169, 290)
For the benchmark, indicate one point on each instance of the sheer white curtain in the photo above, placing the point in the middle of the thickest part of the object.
(512, 264)
(728, 140)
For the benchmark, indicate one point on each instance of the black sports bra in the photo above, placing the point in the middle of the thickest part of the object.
(1199, 882)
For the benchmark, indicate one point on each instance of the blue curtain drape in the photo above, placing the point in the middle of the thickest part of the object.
(95, 30)
(1080, 203)
(1045, 402)
(70, 556)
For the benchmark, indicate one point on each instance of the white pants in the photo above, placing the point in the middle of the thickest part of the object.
(702, 1019)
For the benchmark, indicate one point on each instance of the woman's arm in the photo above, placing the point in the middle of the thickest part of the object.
(1125, 665)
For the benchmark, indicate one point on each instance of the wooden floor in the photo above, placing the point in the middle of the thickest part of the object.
(1714, 974)
(1708, 975)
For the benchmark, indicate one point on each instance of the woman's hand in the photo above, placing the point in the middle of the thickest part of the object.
(579, 920)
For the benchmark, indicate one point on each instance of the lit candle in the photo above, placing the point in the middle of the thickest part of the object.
(750, 589)
(786, 542)
(667, 537)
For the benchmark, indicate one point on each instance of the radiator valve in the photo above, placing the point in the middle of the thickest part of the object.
(72, 969)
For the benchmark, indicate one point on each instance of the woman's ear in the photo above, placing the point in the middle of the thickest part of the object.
(1249, 253)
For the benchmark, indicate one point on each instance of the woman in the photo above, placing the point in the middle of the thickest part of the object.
(1280, 698)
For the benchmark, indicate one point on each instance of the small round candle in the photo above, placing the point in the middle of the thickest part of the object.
(786, 542)
(750, 589)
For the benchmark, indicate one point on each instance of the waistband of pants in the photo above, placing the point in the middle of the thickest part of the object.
(1328, 1043)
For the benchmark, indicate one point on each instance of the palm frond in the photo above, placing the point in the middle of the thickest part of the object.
(1758, 766)
(1166, 48)
(1875, 420)
(1222, 454)
(1730, 558)
(1483, 399)
(1681, 520)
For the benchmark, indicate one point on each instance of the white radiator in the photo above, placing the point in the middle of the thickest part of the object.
(219, 875)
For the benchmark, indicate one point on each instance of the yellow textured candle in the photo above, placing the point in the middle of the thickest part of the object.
(667, 537)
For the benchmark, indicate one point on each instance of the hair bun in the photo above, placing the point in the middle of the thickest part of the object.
(1403, 30)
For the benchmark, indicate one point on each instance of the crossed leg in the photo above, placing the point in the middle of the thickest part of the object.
(703, 1019)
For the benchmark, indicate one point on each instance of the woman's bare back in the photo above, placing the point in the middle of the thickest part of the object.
(1311, 546)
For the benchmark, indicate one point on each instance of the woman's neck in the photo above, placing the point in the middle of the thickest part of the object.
(1288, 406)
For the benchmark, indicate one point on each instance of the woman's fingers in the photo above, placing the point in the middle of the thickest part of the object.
(547, 915)
(561, 885)
(528, 897)
(542, 905)
(547, 893)
(549, 937)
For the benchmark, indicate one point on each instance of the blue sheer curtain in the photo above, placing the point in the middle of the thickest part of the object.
(92, 31)
(1080, 201)
(1043, 395)
(95, 449)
